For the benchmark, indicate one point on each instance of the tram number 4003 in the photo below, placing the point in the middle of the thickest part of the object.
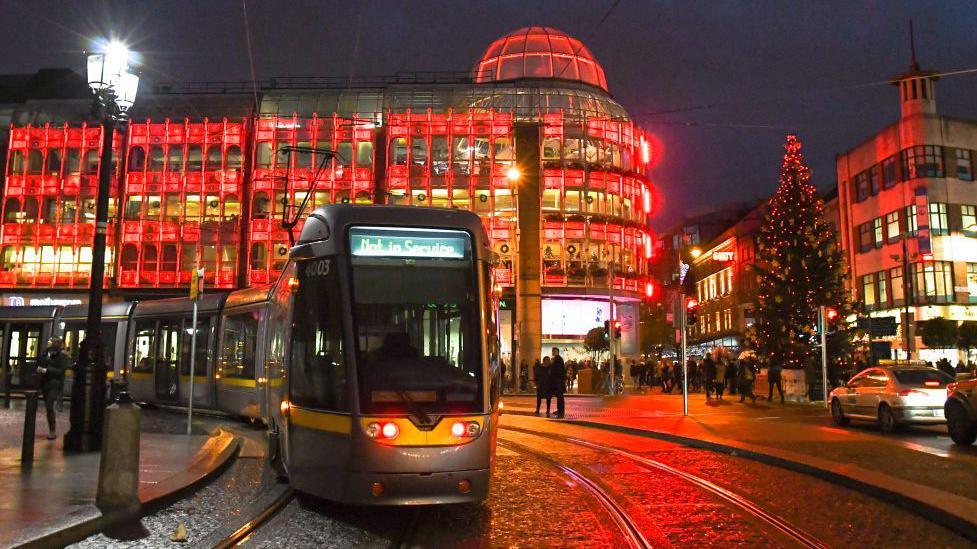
(318, 268)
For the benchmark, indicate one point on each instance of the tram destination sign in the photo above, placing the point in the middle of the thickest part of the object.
(413, 243)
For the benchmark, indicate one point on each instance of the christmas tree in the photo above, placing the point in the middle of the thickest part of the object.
(798, 265)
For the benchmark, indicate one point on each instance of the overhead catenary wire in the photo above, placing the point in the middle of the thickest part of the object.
(247, 36)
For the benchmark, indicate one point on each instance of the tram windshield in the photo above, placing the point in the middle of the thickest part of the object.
(418, 347)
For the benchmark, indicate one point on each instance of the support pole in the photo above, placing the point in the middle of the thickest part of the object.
(88, 389)
(30, 423)
(611, 330)
(685, 359)
(824, 355)
(193, 356)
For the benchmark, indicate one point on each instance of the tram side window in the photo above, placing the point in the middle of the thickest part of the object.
(240, 340)
(203, 336)
(318, 369)
(142, 352)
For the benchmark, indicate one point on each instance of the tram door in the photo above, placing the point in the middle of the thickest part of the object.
(168, 360)
(23, 345)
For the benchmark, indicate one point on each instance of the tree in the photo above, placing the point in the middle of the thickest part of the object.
(596, 342)
(968, 337)
(799, 267)
(938, 333)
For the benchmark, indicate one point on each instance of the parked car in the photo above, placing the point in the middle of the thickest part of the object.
(961, 411)
(892, 396)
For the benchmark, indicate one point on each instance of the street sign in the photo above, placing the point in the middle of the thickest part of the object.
(880, 326)
(196, 283)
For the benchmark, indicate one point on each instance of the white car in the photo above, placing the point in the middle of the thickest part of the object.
(892, 396)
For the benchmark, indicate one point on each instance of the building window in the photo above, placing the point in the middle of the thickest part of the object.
(877, 236)
(911, 225)
(896, 283)
(865, 237)
(892, 226)
(922, 161)
(968, 217)
(965, 165)
(875, 178)
(972, 281)
(862, 187)
(938, 219)
(883, 290)
(868, 290)
(889, 172)
(933, 281)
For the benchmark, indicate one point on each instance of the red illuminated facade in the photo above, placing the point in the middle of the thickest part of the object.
(208, 190)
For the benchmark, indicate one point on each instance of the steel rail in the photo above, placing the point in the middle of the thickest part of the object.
(265, 514)
(779, 524)
(632, 534)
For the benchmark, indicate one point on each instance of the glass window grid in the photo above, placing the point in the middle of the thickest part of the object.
(939, 224)
(933, 282)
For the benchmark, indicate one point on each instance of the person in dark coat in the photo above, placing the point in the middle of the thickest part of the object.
(775, 379)
(558, 372)
(541, 373)
(51, 367)
(708, 373)
(747, 375)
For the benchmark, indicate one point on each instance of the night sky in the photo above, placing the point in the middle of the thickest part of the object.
(736, 76)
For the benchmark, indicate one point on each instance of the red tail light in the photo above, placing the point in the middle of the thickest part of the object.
(390, 430)
(909, 392)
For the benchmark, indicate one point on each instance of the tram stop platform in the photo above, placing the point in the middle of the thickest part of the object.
(52, 503)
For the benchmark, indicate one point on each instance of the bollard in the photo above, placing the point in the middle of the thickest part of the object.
(30, 422)
(118, 469)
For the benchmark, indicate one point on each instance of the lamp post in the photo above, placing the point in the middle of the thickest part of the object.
(114, 91)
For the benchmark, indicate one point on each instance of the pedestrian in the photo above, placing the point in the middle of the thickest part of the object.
(747, 375)
(523, 377)
(720, 379)
(708, 373)
(733, 375)
(558, 373)
(774, 373)
(542, 375)
(51, 367)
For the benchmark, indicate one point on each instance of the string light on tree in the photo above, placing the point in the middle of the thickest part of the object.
(798, 265)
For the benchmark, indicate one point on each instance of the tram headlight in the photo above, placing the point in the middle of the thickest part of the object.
(373, 430)
(390, 430)
(466, 429)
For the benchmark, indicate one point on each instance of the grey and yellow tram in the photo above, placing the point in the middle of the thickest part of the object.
(372, 360)
(390, 385)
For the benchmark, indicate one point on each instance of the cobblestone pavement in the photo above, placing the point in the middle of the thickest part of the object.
(836, 516)
(216, 504)
(918, 454)
(533, 504)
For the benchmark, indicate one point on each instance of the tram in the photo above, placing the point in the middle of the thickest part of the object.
(373, 360)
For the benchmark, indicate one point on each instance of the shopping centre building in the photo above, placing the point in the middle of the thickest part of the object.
(204, 171)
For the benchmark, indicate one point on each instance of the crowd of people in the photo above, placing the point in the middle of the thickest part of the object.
(716, 373)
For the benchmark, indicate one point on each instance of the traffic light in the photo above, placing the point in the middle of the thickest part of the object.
(607, 330)
(649, 291)
(617, 329)
(691, 311)
(831, 317)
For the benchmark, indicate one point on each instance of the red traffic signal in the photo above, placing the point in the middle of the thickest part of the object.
(649, 290)
(691, 310)
(831, 314)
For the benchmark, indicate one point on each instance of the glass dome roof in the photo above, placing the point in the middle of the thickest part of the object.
(539, 52)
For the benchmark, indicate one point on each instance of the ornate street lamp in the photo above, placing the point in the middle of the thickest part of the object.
(114, 91)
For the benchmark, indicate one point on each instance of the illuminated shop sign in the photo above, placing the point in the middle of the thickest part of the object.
(47, 301)
(419, 243)
(723, 257)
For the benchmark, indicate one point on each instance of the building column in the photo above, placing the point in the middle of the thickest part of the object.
(529, 306)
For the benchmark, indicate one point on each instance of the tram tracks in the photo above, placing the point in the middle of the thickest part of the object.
(263, 510)
(781, 526)
(629, 529)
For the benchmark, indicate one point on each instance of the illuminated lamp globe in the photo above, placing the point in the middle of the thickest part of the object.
(513, 174)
